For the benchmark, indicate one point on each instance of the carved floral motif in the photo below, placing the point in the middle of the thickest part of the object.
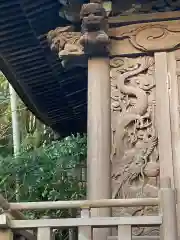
(135, 160)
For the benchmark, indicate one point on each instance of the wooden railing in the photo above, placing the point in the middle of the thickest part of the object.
(166, 219)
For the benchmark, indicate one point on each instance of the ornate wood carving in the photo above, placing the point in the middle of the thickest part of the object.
(133, 6)
(135, 159)
(65, 41)
(94, 37)
(126, 40)
(148, 37)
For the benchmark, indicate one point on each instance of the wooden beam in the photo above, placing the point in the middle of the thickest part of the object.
(131, 202)
(149, 17)
(93, 221)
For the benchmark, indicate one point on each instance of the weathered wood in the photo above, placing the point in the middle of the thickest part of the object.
(145, 37)
(85, 232)
(163, 116)
(175, 123)
(137, 238)
(3, 221)
(168, 208)
(44, 233)
(151, 17)
(98, 172)
(6, 234)
(94, 222)
(101, 203)
(124, 232)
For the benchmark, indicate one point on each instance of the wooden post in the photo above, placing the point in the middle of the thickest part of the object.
(175, 130)
(163, 117)
(99, 143)
(95, 42)
(44, 233)
(168, 208)
(124, 232)
(5, 232)
(85, 233)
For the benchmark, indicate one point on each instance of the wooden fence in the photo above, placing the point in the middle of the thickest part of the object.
(166, 219)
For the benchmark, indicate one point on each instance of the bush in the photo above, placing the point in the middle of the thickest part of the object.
(50, 173)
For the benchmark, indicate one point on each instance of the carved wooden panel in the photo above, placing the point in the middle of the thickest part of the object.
(135, 158)
(145, 37)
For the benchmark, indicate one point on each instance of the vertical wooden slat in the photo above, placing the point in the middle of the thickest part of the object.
(163, 116)
(168, 208)
(44, 233)
(175, 126)
(124, 232)
(6, 234)
(85, 233)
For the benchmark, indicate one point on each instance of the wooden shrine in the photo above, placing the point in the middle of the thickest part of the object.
(133, 125)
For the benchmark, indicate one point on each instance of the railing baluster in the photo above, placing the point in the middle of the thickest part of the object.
(44, 233)
(85, 233)
(124, 232)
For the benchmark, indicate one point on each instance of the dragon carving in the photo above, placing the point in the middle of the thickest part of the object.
(135, 160)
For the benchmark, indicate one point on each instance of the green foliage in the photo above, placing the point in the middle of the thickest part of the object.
(49, 173)
(46, 170)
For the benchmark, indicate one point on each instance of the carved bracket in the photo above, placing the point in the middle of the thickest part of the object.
(92, 41)
(66, 42)
(133, 39)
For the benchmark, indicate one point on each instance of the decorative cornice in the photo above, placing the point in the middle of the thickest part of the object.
(126, 40)
(129, 7)
(148, 37)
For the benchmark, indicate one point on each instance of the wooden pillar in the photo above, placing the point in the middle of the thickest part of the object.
(99, 138)
(163, 117)
(175, 123)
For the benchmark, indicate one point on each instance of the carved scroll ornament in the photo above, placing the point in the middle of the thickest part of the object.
(135, 159)
(148, 37)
